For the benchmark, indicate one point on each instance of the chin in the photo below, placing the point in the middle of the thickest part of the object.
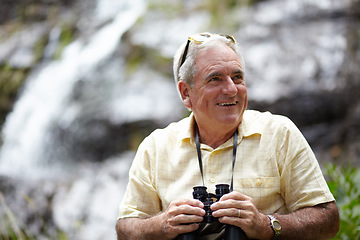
(230, 120)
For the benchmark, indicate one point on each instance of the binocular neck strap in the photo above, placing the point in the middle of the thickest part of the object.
(197, 141)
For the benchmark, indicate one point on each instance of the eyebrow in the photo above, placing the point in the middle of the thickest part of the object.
(239, 71)
(217, 74)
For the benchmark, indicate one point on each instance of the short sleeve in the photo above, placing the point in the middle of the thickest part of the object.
(302, 181)
(141, 198)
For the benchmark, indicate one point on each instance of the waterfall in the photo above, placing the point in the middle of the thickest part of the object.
(91, 196)
(44, 96)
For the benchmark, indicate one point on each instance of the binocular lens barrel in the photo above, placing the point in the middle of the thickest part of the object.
(222, 189)
(200, 193)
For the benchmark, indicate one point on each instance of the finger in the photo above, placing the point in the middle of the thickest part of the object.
(188, 210)
(173, 229)
(240, 202)
(183, 219)
(182, 207)
(229, 203)
(186, 228)
(186, 219)
(235, 221)
(235, 195)
(191, 202)
(230, 212)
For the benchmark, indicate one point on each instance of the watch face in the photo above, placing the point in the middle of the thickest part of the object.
(277, 225)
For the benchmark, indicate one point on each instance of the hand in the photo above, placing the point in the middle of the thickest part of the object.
(181, 216)
(255, 224)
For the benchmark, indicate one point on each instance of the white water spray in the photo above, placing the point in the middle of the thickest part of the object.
(45, 94)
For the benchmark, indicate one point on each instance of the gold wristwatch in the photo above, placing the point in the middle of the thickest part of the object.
(275, 226)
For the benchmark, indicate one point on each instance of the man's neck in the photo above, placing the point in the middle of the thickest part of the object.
(214, 138)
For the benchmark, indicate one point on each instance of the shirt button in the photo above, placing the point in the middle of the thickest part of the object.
(212, 180)
(258, 182)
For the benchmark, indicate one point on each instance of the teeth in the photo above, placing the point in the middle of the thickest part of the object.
(227, 104)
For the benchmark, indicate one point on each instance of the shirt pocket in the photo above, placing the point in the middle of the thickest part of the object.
(265, 191)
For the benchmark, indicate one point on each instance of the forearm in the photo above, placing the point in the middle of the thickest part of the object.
(180, 217)
(138, 228)
(319, 222)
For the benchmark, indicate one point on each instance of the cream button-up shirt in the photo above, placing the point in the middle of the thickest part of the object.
(274, 166)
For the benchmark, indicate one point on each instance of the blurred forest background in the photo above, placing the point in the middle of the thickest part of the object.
(82, 82)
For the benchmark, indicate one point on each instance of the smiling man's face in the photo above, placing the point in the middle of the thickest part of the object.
(218, 97)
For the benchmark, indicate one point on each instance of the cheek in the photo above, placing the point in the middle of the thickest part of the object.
(242, 90)
(194, 100)
(243, 94)
(205, 97)
(197, 97)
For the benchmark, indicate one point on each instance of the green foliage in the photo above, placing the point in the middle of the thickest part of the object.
(9, 225)
(67, 35)
(344, 183)
(10, 81)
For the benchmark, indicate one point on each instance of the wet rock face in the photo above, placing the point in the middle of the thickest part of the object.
(325, 118)
(304, 64)
(26, 31)
(33, 10)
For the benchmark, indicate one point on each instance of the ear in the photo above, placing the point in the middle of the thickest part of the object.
(184, 90)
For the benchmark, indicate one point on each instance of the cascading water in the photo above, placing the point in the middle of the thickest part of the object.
(45, 95)
(90, 198)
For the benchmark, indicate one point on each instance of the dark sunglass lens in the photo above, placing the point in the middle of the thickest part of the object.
(185, 53)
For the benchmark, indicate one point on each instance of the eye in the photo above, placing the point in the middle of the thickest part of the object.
(238, 78)
(214, 80)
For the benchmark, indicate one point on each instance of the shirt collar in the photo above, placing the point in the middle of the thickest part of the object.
(249, 126)
(188, 133)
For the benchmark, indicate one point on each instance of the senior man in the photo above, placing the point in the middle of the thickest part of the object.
(278, 192)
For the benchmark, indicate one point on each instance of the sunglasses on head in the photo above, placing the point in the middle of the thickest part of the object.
(200, 38)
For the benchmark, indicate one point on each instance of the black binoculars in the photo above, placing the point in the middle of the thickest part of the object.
(200, 193)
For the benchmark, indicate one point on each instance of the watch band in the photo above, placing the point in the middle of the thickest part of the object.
(275, 226)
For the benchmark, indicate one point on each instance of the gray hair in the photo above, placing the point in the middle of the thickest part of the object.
(187, 71)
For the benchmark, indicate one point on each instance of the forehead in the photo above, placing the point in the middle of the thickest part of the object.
(216, 59)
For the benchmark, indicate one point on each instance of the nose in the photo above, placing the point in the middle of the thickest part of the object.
(229, 87)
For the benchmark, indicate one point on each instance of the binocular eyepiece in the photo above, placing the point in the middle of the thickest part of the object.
(208, 199)
(200, 193)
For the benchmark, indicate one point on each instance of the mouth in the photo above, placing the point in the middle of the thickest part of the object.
(227, 104)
